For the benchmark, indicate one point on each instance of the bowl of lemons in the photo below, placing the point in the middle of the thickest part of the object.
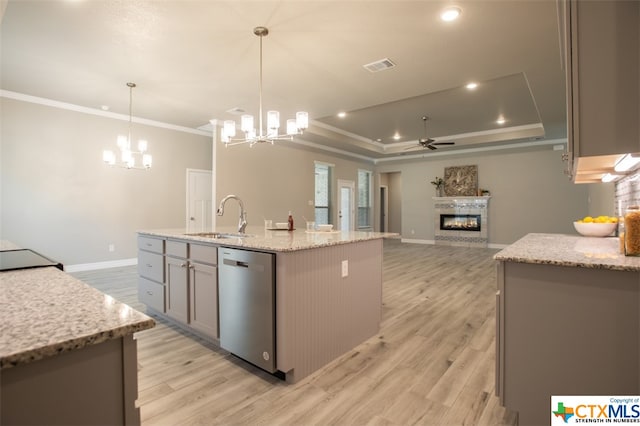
(600, 226)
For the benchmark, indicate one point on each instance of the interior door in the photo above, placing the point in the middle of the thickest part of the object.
(199, 206)
(346, 210)
(384, 207)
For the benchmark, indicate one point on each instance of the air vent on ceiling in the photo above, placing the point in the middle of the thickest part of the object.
(381, 65)
(236, 111)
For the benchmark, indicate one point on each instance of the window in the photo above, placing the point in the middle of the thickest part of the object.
(323, 194)
(364, 199)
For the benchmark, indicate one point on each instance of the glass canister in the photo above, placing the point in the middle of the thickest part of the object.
(621, 232)
(632, 231)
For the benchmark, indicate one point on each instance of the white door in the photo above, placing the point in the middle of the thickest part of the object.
(346, 209)
(199, 206)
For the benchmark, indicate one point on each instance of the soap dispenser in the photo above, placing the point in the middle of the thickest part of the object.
(290, 220)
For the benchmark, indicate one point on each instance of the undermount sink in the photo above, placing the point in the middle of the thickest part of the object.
(218, 235)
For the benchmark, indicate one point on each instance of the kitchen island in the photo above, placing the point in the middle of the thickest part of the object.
(328, 288)
(568, 322)
(67, 353)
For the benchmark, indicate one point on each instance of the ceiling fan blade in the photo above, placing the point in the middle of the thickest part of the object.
(431, 147)
(443, 143)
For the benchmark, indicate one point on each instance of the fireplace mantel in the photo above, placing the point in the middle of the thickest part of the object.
(467, 198)
(463, 207)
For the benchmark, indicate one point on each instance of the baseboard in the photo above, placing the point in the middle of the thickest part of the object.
(101, 265)
(414, 241)
(498, 246)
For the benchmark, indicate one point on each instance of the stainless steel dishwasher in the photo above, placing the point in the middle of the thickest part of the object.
(246, 297)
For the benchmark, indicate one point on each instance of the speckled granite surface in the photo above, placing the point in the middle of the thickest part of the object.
(277, 241)
(569, 250)
(44, 312)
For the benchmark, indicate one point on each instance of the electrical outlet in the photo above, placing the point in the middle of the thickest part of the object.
(345, 268)
(112, 247)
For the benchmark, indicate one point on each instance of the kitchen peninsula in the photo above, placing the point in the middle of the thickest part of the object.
(67, 353)
(327, 292)
(567, 322)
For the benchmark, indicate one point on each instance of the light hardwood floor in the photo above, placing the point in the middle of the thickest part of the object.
(432, 362)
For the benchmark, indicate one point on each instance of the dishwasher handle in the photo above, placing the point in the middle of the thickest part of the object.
(242, 264)
(238, 263)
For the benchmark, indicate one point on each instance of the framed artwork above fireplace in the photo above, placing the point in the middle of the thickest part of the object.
(461, 181)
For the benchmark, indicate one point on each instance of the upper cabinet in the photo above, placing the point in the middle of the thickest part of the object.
(602, 50)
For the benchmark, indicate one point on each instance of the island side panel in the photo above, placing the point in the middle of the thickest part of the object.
(567, 331)
(96, 384)
(320, 315)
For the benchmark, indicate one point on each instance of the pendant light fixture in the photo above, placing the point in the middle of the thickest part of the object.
(127, 156)
(295, 126)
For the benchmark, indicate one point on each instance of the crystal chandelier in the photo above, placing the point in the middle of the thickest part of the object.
(295, 126)
(127, 156)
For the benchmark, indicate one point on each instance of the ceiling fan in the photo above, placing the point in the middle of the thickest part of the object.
(428, 142)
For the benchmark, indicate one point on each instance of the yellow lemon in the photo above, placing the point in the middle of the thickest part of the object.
(587, 219)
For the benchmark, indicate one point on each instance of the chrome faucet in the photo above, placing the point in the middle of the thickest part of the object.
(242, 223)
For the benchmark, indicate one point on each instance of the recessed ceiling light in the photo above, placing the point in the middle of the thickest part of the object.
(342, 114)
(450, 14)
(501, 120)
(471, 85)
(104, 107)
(396, 137)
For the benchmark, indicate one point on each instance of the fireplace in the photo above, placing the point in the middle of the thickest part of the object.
(460, 222)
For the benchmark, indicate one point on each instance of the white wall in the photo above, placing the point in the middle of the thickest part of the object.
(59, 198)
(529, 193)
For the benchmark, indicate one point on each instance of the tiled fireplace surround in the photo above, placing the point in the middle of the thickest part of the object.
(462, 206)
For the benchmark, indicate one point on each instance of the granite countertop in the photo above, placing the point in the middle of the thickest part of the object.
(569, 250)
(44, 312)
(276, 241)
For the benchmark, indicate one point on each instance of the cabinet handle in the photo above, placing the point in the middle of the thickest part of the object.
(150, 293)
(149, 265)
(149, 244)
(190, 266)
(182, 265)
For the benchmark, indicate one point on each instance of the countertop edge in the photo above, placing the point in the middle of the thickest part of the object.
(35, 354)
(295, 241)
(569, 251)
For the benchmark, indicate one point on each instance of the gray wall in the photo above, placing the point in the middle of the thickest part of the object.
(602, 199)
(273, 179)
(59, 198)
(529, 193)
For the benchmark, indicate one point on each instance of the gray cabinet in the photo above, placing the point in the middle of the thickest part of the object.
(203, 308)
(151, 272)
(192, 286)
(177, 289)
(564, 331)
(602, 50)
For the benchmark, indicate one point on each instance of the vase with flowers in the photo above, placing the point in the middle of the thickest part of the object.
(439, 184)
